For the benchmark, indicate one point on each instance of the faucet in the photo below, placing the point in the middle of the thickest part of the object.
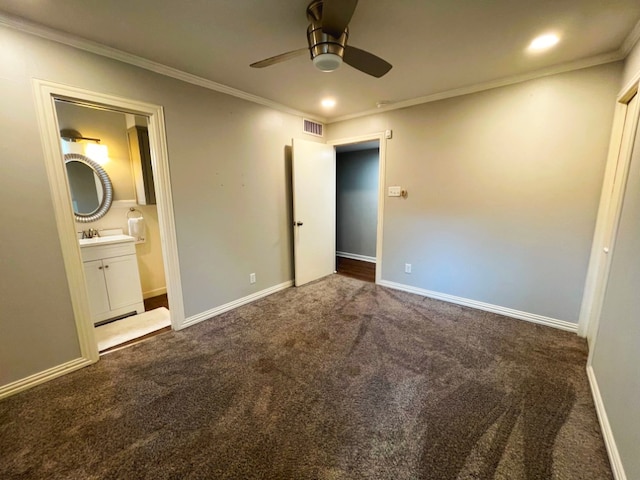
(92, 232)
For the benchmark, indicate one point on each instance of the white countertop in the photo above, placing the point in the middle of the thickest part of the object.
(109, 239)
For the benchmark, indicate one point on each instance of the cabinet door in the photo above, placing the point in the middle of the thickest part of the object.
(96, 288)
(123, 281)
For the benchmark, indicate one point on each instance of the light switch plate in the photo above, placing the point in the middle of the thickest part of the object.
(395, 191)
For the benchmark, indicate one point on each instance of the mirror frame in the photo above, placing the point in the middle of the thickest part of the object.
(107, 198)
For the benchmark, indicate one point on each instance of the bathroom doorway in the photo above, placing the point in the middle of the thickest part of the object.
(154, 246)
(102, 145)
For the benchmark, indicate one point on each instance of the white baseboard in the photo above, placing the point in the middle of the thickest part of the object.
(607, 433)
(508, 312)
(154, 293)
(41, 377)
(355, 256)
(192, 320)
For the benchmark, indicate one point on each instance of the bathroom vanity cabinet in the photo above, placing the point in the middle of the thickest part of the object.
(112, 276)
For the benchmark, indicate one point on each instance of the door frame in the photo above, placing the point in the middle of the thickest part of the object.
(45, 93)
(382, 153)
(609, 211)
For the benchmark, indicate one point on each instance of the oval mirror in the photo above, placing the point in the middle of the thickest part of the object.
(91, 190)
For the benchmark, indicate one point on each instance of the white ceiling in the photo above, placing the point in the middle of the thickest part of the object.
(434, 45)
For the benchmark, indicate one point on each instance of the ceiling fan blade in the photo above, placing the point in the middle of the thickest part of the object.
(366, 62)
(279, 58)
(336, 15)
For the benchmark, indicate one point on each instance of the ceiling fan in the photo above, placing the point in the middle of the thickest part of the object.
(327, 36)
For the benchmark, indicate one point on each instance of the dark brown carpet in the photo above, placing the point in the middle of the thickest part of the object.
(339, 379)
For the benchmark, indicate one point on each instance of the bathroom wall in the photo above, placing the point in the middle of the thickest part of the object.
(110, 128)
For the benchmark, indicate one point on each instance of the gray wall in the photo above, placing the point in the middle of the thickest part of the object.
(616, 355)
(503, 190)
(230, 189)
(357, 201)
(503, 185)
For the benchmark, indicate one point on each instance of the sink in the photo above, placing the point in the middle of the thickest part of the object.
(87, 242)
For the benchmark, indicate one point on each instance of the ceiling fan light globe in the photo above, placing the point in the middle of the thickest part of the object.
(327, 62)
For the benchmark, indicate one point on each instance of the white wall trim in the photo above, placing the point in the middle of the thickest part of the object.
(154, 293)
(508, 312)
(382, 166)
(629, 89)
(479, 87)
(192, 320)
(80, 43)
(65, 220)
(355, 256)
(45, 93)
(41, 377)
(609, 210)
(607, 433)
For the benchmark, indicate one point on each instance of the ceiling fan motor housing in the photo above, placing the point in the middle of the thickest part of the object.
(326, 50)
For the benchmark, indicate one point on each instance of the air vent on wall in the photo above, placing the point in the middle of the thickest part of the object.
(312, 128)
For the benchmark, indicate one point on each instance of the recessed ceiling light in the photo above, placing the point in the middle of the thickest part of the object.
(328, 103)
(544, 42)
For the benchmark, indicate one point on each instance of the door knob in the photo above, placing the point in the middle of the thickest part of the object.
(298, 224)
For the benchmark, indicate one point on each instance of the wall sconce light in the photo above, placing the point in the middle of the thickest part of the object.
(95, 151)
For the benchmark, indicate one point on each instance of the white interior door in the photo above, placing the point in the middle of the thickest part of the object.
(314, 210)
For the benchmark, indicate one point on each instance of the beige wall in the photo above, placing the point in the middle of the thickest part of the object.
(110, 128)
(631, 65)
(503, 190)
(230, 183)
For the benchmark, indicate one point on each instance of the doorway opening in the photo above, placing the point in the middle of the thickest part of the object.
(100, 267)
(357, 186)
(314, 185)
(120, 245)
(360, 166)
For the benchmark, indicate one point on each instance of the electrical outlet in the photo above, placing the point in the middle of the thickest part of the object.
(407, 268)
(252, 278)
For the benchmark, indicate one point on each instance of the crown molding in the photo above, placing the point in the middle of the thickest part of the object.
(479, 87)
(26, 26)
(631, 40)
(23, 25)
